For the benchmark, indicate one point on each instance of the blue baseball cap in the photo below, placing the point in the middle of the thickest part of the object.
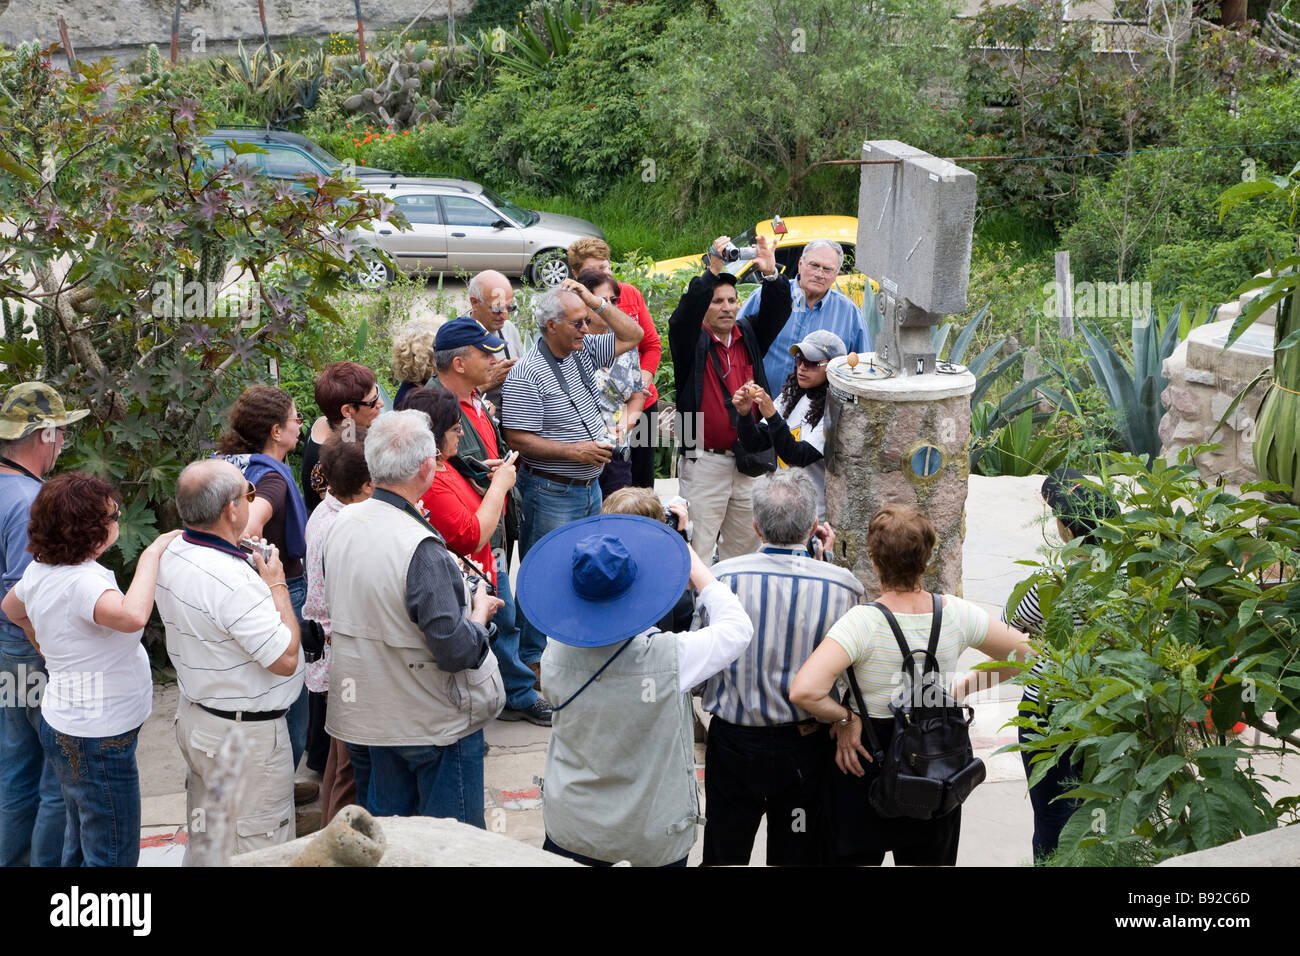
(465, 331)
(603, 579)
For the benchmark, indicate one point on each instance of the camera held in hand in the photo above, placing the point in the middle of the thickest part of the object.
(670, 517)
(733, 253)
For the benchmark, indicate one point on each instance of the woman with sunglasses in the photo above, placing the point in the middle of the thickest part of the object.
(794, 425)
(100, 689)
(264, 428)
(619, 387)
(345, 392)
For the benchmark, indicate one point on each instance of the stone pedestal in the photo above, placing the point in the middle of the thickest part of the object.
(897, 440)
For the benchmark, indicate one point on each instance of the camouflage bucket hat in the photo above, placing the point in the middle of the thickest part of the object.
(31, 406)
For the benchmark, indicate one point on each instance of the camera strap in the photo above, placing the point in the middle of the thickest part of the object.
(559, 377)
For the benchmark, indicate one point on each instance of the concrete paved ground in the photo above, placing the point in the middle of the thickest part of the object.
(1004, 524)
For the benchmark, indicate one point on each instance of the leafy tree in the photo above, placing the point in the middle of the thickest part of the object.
(770, 91)
(119, 232)
(1189, 610)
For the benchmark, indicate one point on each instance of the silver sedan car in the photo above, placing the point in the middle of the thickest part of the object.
(459, 225)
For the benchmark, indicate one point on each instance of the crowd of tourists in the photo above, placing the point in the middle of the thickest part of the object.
(358, 618)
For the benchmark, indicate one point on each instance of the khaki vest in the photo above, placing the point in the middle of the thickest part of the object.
(620, 769)
(385, 688)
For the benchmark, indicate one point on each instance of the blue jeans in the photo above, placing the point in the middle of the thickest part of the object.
(1050, 813)
(514, 672)
(429, 781)
(101, 784)
(547, 505)
(33, 815)
(299, 714)
(359, 757)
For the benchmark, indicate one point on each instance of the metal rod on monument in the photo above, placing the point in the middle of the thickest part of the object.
(67, 46)
(1065, 293)
(212, 827)
(361, 34)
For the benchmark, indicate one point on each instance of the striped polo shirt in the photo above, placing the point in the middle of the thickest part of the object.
(792, 600)
(223, 630)
(534, 401)
(1028, 617)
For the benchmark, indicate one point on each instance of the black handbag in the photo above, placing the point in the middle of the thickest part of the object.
(929, 767)
(754, 464)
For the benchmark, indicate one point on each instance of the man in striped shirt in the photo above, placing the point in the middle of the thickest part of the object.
(764, 755)
(232, 636)
(551, 415)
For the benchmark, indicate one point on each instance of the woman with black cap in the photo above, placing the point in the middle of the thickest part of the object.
(620, 770)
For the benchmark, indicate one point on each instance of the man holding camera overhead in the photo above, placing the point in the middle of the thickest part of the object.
(552, 417)
(714, 354)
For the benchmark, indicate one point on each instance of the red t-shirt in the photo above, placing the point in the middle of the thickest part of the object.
(453, 507)
(482, 425)
(631, 301)
(733, 362)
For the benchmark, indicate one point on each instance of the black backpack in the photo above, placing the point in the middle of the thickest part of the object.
(929, 767)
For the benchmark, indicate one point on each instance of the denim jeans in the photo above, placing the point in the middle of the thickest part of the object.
(33, 815)
(515, 674)
(429, 781)
(359, 757)
(299, 713)
(101, 784)
(547, 505)
(1051, 814)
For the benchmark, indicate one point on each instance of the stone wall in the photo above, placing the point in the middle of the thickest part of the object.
(123, 28)
(1203, 381)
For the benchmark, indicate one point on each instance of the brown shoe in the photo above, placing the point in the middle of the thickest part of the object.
(307, 820)
(305, 791)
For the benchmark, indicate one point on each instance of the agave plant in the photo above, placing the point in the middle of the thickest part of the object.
(279, 90)
(1014, 450)
(530, 48)
(1134, 382)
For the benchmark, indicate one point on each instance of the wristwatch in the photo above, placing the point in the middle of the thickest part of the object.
(600, 309)
(773, 277)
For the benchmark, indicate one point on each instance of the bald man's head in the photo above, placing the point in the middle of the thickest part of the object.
(491, 297)
(205, 488)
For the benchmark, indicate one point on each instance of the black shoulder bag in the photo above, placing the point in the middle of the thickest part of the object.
(929, 767)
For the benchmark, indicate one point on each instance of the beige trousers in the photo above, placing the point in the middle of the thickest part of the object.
(721, 504)
(263, 814)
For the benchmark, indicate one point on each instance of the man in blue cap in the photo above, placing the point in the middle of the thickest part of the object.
(466, 356)
(620, 768)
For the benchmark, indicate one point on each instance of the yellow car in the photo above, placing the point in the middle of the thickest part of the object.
(800, 230)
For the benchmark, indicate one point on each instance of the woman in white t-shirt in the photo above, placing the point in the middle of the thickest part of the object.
(794, 424)
(900, 541)
(100, 688)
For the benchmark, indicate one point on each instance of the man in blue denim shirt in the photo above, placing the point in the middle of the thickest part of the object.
(815, 304)
(32, 812)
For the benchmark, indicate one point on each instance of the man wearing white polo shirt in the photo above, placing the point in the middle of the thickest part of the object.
(233, 638)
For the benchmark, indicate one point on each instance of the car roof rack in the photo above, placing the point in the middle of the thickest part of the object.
(396, 182)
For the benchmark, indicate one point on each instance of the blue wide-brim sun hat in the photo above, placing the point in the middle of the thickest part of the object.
(603, 579)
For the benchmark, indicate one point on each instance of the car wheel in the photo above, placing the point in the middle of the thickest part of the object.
(373, 274)
(548, 269)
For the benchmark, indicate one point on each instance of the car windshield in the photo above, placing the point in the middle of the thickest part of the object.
(518, 214)
(330, 162)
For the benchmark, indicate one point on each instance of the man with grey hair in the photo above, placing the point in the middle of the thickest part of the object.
(552, 417)
(492, 305)
(764, 755)
(32, 810)
(412, 679)
(815, 304)
(232, 636)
